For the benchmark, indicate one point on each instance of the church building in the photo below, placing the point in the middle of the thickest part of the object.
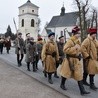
(62, 24)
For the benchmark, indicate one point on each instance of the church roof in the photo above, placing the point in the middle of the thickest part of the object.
(69, 19)
(28, 3)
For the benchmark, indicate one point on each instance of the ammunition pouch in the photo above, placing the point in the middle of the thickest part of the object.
(54, 54)
(74, 56)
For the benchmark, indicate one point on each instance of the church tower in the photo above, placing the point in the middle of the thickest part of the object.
(28, 19)
(62, 10)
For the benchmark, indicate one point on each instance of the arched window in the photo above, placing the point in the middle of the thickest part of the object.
(22, 23)
(32, 22)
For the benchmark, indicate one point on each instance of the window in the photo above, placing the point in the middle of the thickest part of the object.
(22, 11)
(32, 10)
(32, 22)
(22, 23)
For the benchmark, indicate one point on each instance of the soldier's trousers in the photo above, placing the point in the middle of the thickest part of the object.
(19, 58)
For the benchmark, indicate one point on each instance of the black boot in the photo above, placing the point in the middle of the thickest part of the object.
(62, 85)
(22, 55)
(28, 66)
(82, 89)
(85, 79)
(55, 75)
(45, 73)
(50, 78)
(92, 85)
(34, 67)
(18, 61)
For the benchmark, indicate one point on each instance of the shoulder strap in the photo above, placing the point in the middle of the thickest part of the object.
(73, 41)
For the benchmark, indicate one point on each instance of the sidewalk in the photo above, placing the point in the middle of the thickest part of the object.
(16, 84)
(72, 87)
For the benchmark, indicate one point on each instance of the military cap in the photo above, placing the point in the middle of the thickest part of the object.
(39, 39)
(31, 38)
(75, 30)
(51, 33)
(27, 34)
(19, 33)
(61, 37)
(92, 31)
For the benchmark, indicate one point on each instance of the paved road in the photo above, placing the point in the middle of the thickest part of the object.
(72, 87)
(16, 84)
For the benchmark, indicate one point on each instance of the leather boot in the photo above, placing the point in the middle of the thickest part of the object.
(85, 79)
(28, 66)
(50, 78)
(55, 75)
(34, 67)
(92, 85)
(45, 73)
(62, 85)
(82, 89)
(18, 61)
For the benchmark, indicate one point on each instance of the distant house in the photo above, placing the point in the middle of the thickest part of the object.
(62, 24)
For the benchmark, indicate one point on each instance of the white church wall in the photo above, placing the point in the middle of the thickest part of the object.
(58, 31)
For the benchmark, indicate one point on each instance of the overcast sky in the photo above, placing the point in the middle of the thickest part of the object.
(47, 9)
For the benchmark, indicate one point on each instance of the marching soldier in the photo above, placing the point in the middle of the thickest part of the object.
(19, 48)
(1, 44)
(50, 56)
(39, 45)
(71, 66)
(7, 44)
(31, 54)
(90, 54)
(60, 45)
(27, 40)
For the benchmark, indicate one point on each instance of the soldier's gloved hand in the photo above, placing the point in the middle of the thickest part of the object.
(88, 57)
(54, 54)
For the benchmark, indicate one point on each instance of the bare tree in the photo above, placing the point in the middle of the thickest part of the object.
(94, 18)
(83, 9)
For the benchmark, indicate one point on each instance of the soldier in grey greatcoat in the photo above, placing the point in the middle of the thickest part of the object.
(27, 40)
(19, 48)
(39, 45)
(31, 54)
(60, 45)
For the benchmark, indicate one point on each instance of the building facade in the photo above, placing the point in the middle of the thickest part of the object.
(28, 19)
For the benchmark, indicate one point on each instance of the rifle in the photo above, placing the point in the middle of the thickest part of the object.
(71, 66)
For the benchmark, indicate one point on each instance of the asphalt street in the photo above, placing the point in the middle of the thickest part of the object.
(71, 85)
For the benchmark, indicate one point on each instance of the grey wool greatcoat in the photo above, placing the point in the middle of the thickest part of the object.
(30, 53)
(19, 46)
